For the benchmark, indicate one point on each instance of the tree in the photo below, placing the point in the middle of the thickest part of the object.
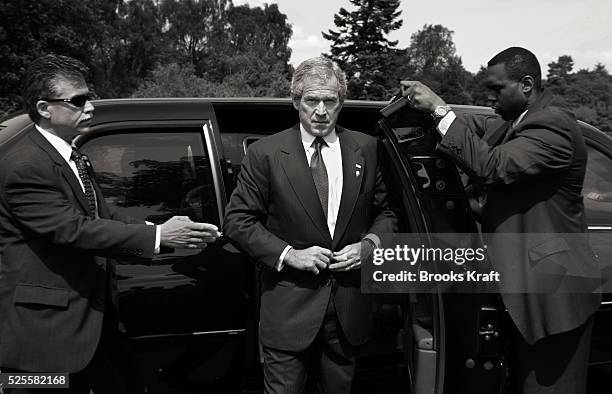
(173, 80)
(264, 28)
(180, 80)
(256, 49)
(432, 49)
(80, 29)
(361, 47)
(233, 50)
(193, 27)
(561, 68)
(238, 50)
(140, 46)
(600, 68)
(476, 86)
(433, 57)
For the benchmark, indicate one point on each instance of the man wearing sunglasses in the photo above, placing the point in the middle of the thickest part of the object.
(57, 237)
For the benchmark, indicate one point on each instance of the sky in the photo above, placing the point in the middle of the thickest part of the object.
(482, 28)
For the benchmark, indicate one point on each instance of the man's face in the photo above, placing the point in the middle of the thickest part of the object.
(66, 119)
(319, 106)
(507, 96)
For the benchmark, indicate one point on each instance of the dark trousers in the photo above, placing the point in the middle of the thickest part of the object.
(555, 364)
(326, 366)
(112, 369)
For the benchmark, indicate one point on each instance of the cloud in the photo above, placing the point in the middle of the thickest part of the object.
(311, 41)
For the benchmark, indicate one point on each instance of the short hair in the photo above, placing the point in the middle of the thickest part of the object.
(41, 76)
(518, 62)
(320, 68)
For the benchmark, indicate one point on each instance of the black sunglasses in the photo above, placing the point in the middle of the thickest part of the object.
(77, 101)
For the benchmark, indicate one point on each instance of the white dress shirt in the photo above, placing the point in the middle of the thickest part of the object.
(332, 157)
(65, 150)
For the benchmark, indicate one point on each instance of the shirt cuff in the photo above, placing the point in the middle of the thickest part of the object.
(280, 263)
(446, 122)
(157, 236)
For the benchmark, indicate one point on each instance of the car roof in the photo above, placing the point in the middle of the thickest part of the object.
(144, 109)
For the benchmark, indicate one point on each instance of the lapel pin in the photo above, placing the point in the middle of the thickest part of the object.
(357, 173)
(358, 165)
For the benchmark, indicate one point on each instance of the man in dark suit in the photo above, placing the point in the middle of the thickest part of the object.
(309, 201)
(57, 284)
(533, 168)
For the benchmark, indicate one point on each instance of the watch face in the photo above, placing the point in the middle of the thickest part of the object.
(441, 111)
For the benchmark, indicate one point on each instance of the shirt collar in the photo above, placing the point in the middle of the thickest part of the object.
(331, 139)
(63, 147)
(520, 117)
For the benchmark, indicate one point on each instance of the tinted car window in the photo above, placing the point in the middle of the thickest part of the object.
(155, 175)
(597, 192)
(597, 188)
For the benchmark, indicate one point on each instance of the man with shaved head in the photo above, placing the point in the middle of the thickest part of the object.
(309, 203)
(533, 220)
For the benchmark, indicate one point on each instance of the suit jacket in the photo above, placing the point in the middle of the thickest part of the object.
(55, 278)
(534, 175)
(275, 204)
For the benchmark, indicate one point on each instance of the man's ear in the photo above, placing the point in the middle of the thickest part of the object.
(296, 103)
(42, 109)
(528, 84)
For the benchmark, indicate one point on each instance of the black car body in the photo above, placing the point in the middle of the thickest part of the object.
(192, 315)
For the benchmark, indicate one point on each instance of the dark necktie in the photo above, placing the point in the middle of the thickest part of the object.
(77, 157)
(319, 173)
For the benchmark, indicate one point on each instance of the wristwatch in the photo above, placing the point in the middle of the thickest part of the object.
(440, 112)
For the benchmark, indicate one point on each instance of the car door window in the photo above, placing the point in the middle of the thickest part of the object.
(597, 190)
(155, 174)
(597, 193)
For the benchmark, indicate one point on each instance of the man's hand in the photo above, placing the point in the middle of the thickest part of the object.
(314, 258)
(420, 96)
(182, 232)
(349, 258)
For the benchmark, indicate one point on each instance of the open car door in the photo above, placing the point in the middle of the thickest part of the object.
(453, 341)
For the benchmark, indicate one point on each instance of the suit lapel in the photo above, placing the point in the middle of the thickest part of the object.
(103, 211)
(353, 167)
(294, 164)
(62, 166)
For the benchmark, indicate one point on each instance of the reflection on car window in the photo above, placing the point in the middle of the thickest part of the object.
(598, 178)
(155, 175)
